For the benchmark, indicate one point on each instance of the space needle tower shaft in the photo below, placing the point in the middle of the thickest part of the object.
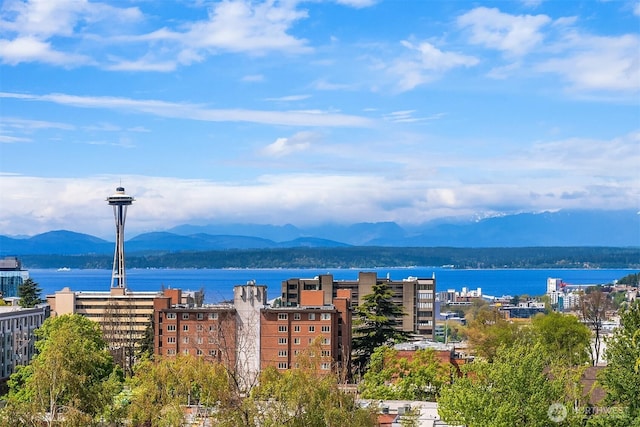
(119, 201)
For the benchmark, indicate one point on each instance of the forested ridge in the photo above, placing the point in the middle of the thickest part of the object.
(360, 257)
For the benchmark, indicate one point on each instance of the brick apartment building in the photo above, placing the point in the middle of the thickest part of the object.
(249, 335)
(414, 295)
(288, 331)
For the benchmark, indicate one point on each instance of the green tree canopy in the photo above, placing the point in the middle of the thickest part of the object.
(418, 377)
(621, 377)
(517, 389)
(160, 387)
(562, 337)
(302, 398)
(375, 324)
(487, 330)
(29, 293)
(72, 374)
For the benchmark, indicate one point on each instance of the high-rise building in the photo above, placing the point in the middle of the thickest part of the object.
(415, 295)
(11, 276)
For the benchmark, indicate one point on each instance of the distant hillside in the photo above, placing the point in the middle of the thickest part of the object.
(561, 229)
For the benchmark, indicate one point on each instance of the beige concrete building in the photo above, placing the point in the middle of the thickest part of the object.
(415, 295)
(122, 314)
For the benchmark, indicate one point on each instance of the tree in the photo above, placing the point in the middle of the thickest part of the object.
(72, 374)
(161, 387)
(390, 376)
(303, 398)
(593, 309)
(517, 389)
(562, 337)
(487, 330)
(621, 377)
(375, 324)
(29, 294)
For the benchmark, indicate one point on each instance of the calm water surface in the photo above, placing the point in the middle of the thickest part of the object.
(218, 283)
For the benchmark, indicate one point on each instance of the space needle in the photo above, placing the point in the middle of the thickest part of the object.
(119, 201)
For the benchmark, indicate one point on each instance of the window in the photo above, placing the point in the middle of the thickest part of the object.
(312, 328)
(296, 316)
(282, 365)
(213, 316)
(213, 353)
(199, 352)
(171, 328)
(326, 341)
(200, 316)
(326, 316)
(185, 351)
(171, 340)
(185, 340)
(199, 340)
(185, 328)
(212, 340)
(282, 316)
(282, 328)
(326, 353)
(296, 341)
(282, 340)
(171, 351)
(312, 316)
(326, 328)
(200, 328)
(171, 315)
(296, 328)
(326, 366)
(282, 353)
(185, 316)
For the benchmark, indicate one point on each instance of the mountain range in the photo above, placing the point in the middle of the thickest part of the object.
(619, 228)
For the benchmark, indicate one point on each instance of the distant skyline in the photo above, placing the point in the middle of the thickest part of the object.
(312, 112)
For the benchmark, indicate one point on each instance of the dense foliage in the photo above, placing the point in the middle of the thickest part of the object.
(394, 377)
(375, 323)
(359, 257)
(72, 376)
(621, 377)
(29, 293)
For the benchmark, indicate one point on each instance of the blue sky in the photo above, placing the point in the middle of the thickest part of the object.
(309, 112)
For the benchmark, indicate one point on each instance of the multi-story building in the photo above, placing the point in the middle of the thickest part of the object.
(249, 335)
(11, 276)
(123, 315)
(289, 331)
(16, 335)
(414, 295)
(223, 333)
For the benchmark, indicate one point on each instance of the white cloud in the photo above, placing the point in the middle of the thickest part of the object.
(7, 139)
(196, 112)
(424, 64)
(253, 78)
(357, 3)
(35, 23)
(636, 9)
(513, 34)
(599, 63)
(28, 49)
(557, 174)
(289, 98)
(240, 26)
(300, 141)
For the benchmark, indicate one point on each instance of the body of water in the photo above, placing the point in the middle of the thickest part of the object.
(218, 283)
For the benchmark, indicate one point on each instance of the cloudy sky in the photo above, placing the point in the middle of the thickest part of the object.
(309, 112)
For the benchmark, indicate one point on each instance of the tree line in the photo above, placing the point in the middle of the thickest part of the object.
(360, 257)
